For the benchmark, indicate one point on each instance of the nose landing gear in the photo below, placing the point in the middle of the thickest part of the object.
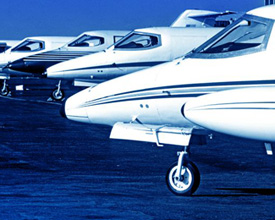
(5, 89)
(58, 94)
(183, 177)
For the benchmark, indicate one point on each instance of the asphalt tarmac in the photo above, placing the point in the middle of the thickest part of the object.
(53, 168)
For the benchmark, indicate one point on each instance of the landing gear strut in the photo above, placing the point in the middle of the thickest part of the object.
(5, 89)
(183, 177)
(58, 94)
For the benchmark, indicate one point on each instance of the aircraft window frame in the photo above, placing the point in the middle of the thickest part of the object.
(198, 52)
(117, 38)
(26, 42)
(138, 48)
(84, 38)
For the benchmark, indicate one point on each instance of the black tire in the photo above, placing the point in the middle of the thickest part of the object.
(184, 187)
(57, 96)
(5, 91)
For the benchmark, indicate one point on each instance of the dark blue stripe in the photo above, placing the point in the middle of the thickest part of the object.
(238, 108)
(206, 107)
(237, 103)
(145, 98)
(120, 65)
(60, 54)
(183, 86)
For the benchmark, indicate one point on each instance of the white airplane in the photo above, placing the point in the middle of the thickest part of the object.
(149, 105)
(138, 50)
(94, 41)
(26, 47)
(86, 43)
(142, 48)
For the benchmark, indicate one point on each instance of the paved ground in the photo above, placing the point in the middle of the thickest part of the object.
(52, 168)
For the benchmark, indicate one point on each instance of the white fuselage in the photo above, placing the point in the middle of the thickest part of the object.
(127, 97)
(85, 44)
(118, 61)
(29, 46)
(156, 96)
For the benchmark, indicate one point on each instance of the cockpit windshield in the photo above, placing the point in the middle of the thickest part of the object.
(247, 35)
(29, 46)
(87, 41)
(138, 41)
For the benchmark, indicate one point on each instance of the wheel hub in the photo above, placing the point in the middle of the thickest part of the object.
(185, 179)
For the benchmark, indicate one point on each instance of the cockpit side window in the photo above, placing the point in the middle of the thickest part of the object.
(247, 35)
(30, 46)
(87, 41)
(139, 41)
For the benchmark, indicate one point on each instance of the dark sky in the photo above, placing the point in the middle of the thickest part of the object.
(23, 18)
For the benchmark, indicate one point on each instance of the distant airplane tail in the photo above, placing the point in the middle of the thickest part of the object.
(204, 18)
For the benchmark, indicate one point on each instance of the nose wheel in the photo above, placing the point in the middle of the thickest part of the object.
(5, 89)
(58, 94)
(183, 177)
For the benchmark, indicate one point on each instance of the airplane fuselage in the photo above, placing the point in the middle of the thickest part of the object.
(121, 60)
(159, 99)
(26, 47)
(153, 105)
(85, 44)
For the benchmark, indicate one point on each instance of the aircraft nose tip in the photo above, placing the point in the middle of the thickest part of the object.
(62, 110)
(18, 65)
(55, 74)
(44, 74)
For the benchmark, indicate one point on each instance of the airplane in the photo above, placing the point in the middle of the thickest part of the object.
(140, 49)
(94, 41)
(26, 47)
(86, 43)
(99, 41)
(149, 105)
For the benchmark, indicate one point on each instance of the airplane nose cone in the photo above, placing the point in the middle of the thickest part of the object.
(54, 74)
(26, 66)
(18, 65)
(73, 109)
(44, 75)
(62, 110)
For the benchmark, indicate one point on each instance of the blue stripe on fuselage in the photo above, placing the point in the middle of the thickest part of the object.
(176, 91)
